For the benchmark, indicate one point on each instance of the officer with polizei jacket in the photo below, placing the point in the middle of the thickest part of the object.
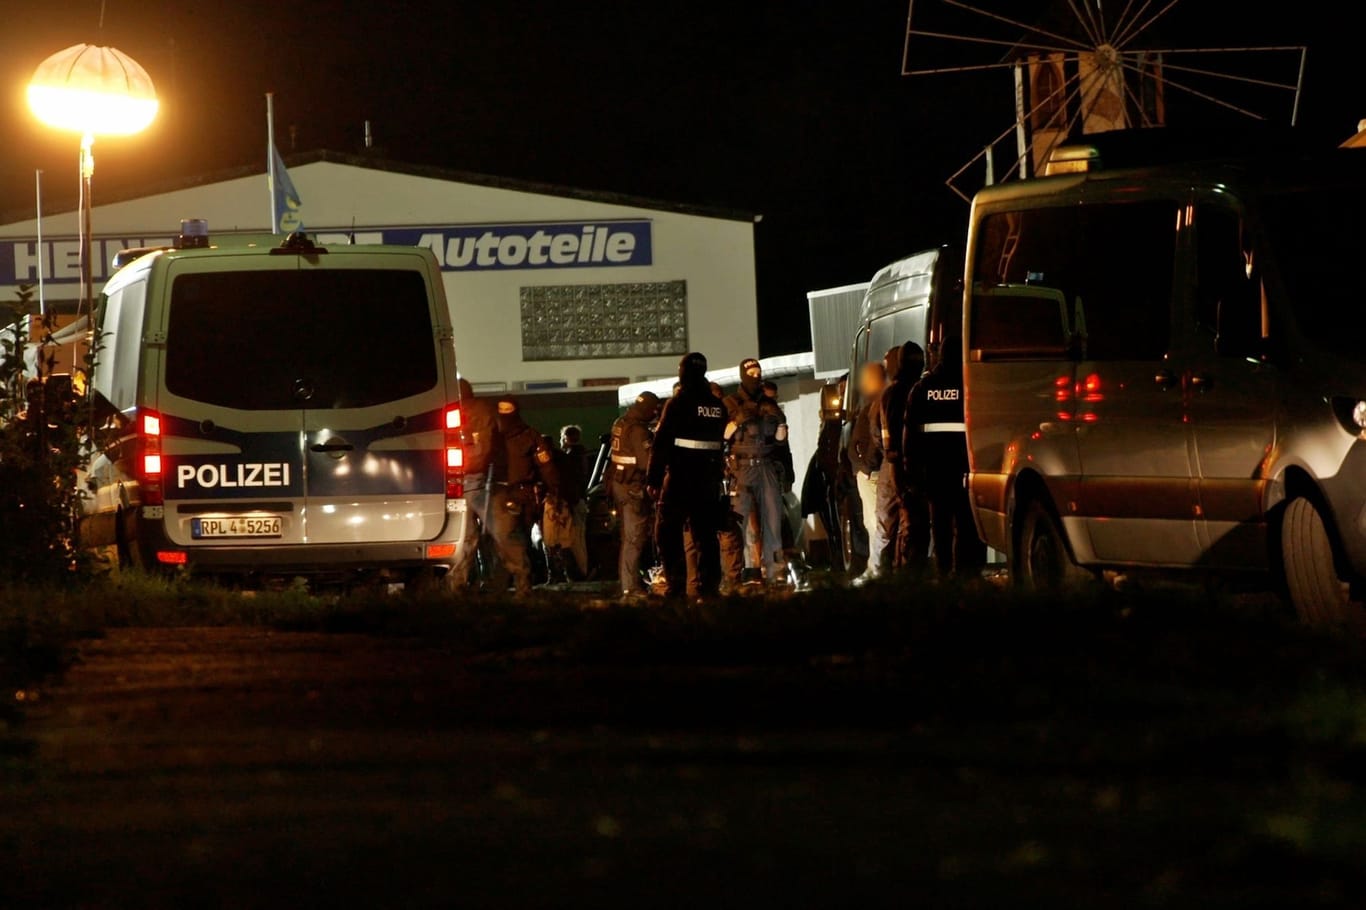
(530, 463)
(486, 473)
(632, 440)
(906, 522)
(758, 456)
(685, 475)
(936, 454)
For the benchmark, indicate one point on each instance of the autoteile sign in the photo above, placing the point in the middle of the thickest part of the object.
(458, 248)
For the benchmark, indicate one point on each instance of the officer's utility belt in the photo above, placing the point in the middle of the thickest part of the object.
(742, 462)
(944, 428)
(697, 445)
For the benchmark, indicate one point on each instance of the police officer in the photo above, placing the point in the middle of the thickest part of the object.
(685, 476)
(865, 456)
(906, 515)
(758, 457)
(530, 463)
(936, 454)
(486, 465)
(632, 440)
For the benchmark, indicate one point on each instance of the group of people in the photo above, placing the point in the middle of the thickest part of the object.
(703, 476)
(517, 480)
(712, 469)
(908, 450)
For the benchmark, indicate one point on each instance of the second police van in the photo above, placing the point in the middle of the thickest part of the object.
(278, 410)
(1165, 368)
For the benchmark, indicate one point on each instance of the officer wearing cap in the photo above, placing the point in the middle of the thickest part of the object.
(936, 455)
(486, 465)
(529, 462)
(632, 440)
(758, 456)
(685, 476)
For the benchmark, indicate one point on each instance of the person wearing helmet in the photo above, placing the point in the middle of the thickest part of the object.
(632, 440)
(684, 476)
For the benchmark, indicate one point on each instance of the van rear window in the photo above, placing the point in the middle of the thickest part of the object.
(265, 340)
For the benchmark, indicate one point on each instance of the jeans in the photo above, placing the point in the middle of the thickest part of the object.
(759, 493)
(877, 543)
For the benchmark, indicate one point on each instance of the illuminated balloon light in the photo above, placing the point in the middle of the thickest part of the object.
(95, 91)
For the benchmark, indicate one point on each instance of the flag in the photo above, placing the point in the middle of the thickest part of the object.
(288, 205)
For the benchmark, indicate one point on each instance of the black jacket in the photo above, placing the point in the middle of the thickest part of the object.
(689, 437)
(935, 443)
(865, 439)
(484, 449)
(905, 372)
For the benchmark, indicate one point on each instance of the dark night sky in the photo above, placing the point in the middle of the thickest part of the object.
(793, 110)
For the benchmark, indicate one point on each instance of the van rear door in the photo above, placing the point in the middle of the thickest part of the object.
(374, 401)
(233, 473)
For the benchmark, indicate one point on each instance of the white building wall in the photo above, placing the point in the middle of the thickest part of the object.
(715, 256)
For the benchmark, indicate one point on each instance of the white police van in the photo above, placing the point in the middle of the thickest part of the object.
(1164, 365)
(277, 410)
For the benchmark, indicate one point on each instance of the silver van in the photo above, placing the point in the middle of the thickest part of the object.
(912, 299)
(277, 410)
(1164, 371)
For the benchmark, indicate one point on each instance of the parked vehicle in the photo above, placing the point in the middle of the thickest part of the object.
(1164, 369)
(278, 410)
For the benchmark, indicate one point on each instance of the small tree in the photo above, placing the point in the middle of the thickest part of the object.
(45, 435)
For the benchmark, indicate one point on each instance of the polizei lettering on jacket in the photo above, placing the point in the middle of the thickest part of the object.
(222, 476)
(942, 394)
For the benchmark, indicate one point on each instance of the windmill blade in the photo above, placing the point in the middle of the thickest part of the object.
(1027, 28)
(1197, 93)
(1232, 77)
(1086, 25)
(1123, 29)
(1134, 33)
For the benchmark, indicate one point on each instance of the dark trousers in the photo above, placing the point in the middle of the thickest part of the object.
(631, 511)
(689, 500)
(957, 548)
(904, 519)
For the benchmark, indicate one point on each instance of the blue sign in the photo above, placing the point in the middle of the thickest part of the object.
(491, 247)
(458, 248)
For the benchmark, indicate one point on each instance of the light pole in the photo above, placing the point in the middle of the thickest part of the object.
(92, 91)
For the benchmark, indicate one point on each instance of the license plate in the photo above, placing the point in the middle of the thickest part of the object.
(236, 526)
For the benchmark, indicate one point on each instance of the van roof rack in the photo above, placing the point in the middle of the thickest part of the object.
(1159, 145)
(298, 243)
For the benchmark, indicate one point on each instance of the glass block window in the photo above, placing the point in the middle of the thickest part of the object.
(604, 321)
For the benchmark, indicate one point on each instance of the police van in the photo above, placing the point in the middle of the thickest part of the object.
(282, 409)
(912, 299)
(1165, 367)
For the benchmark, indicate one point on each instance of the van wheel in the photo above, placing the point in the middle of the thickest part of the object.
(1320, 595)
(1041, 561)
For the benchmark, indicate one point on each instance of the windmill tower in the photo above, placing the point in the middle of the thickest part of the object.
(1079, 69)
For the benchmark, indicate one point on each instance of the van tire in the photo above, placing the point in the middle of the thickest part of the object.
(1317, 591)
(1041, 561)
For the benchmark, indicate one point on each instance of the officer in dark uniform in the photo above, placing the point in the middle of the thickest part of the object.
(757, 456)
(936, 455)
(486, 466)
(685, 474)
(632, 440)
(530, 463)
(907, 519)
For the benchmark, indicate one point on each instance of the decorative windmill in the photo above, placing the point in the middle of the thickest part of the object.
(1082, 69)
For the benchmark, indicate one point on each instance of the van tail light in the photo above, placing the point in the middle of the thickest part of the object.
(149, 458)
(455, 454)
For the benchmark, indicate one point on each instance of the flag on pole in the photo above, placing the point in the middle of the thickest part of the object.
(287, 204)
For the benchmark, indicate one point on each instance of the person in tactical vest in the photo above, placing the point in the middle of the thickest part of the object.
(486, 465)
(684, 476)
(758, 456)
(632, 440)
(936, 455)
(531, 475)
